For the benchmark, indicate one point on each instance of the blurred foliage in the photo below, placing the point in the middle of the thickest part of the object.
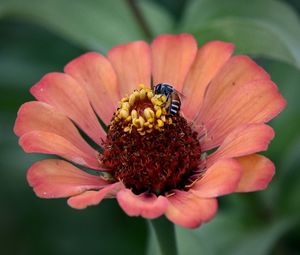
(41, 36)
(252, 25)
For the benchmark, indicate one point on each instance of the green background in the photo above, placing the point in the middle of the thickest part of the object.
(37, 37)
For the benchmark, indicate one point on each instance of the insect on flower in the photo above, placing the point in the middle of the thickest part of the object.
(173, 102)
(150, 157)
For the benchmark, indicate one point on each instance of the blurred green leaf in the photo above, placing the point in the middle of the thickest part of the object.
(229, 235)
(27, 52)
(158, 20)
(95, 25)
(262, 240)
(263, 28)
(174, 7)
(289, 185)
(287, 123)
(212, 238)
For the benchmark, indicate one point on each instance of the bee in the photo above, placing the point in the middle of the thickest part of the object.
(173, 102)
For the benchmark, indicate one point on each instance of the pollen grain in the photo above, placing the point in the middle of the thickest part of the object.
(142, 110)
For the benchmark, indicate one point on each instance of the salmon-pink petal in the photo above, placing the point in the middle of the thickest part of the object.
(237, 71)
(254, 102)
(132, 63)
(145, 205)
(172, 57)
(39, 116)
(65, 94)
(242, 141)
(92, 197)
(189, 210)
(257, 172)
(97, 77)
(220, 179)
(50, 143)
(54, 178)
(210, 58)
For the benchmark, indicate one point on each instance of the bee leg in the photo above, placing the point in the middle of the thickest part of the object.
(165, 103)
(167, 106)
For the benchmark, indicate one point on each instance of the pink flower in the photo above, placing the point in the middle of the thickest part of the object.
(151, 161)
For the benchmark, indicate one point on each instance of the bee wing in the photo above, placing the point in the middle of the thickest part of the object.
(180, 94)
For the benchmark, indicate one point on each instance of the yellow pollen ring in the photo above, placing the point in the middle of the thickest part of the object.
(143, 111)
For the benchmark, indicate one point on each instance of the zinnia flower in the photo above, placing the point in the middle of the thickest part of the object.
(102, 114)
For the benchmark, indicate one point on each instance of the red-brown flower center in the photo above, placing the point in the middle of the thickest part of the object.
(156, 159)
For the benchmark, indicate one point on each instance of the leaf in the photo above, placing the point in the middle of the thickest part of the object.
(287, 123)
(266, 28)
(28, 52)
(210, 238)
(289, 197)
(158, 20)
(228, 235)
(262, 240)
(95, 25)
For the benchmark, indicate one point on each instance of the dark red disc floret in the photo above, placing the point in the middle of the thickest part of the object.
(156, 162)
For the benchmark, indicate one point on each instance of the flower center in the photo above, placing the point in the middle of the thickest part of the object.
(148, 149)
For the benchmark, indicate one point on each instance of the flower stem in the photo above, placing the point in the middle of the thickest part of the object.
(165, 234)
(140, 18)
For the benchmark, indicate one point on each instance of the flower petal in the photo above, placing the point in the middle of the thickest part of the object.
(254, 102)
(92, 197)
(145, 205)
(132, 63)
(97, 77)
(39, 116)
(237, 71)
(67, 96)
(190, 211)
(257, 172)
(210, 58)
(172, 57)
(244, 140)
(220, 179)
(53, 178)
(50, 143)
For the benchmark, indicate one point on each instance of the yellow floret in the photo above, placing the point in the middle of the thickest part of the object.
(132, 115)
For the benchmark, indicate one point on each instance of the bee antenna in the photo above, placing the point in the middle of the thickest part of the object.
(151, 83)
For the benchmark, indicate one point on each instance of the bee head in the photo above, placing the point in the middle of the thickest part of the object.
(163, 88)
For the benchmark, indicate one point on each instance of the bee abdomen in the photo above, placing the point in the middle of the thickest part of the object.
(175, 106)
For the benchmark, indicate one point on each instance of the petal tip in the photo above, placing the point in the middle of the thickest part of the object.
(257, 173)
(142, 205)
(175, 37)
(189, 210)
(38, 88)
(92, 55)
